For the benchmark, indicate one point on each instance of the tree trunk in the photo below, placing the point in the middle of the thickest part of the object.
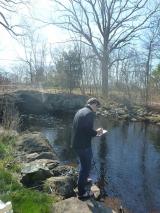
(147, 75)
(31, 73)
(105, 70)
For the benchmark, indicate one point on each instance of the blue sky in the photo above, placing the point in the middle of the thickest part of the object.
(10, 48)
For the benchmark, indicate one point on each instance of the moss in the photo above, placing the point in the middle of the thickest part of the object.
(23, 200)
(26, 201)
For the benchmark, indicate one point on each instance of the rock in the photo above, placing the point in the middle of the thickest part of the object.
(62, 186)
(74, 205)
(50, 164)
(153, 119)
(95, 190)
(35, 172)
(31, 157)
(43, 155)
(124, 116)
(120, 111)
(133, 119)
(142, 112)
(33, 142)
(139, 118)
(63, 170)
(6, 207)
(105, 113)
(98, 113)
(150, 113)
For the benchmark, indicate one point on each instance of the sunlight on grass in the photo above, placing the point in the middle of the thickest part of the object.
(27, 201)
(23, 200)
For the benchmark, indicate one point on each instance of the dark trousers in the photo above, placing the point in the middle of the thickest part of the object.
(85, 157)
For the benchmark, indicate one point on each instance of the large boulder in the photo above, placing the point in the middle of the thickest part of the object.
(35, 172)
(66, 170)
(62, 186)
(33, 142)
(75, 205)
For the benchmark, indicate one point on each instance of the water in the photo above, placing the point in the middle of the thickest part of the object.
(129, 157)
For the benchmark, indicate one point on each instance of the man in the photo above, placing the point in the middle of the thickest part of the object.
(81, 141)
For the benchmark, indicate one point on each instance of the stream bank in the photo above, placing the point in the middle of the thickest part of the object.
(43, 158)
(33, 103)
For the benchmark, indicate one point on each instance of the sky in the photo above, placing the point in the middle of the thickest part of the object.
(10, 48)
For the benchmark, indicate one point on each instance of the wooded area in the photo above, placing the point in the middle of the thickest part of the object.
(113, 49)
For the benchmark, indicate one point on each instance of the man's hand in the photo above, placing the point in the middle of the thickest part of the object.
(99, 131)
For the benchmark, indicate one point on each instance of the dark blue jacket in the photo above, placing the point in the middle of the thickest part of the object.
(83, 128)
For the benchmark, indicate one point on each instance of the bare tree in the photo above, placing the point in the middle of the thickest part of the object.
(105, 25)
(35, 54)
(151, 45)
(9, 6)
(128, 75)
(90, 79)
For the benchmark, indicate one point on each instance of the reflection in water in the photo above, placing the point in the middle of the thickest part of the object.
(130, 161)
(129, 158)
(102, 165)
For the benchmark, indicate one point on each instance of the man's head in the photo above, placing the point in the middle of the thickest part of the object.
(93, 103)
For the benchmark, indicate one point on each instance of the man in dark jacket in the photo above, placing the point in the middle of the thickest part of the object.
(81, 141)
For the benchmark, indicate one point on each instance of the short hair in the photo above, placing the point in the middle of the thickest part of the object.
(93, 101)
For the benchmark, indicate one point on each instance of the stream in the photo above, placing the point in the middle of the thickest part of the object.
(128, 156)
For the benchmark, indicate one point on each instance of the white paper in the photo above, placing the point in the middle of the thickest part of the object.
(104, 131)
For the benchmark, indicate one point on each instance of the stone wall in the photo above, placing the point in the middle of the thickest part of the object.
(33, 102)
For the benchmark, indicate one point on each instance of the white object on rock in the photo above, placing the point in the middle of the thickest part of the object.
(95, 190)
(6, 207)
